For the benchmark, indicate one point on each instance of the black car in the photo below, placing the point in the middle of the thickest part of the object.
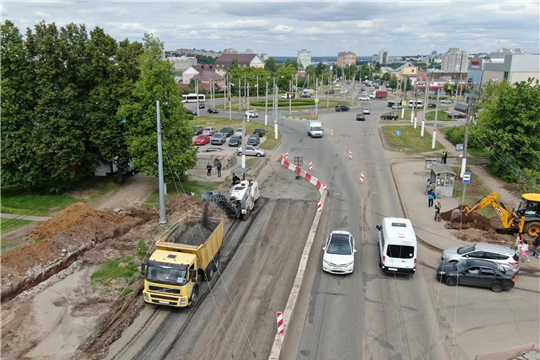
(198, 130)
(431, 105)
(192, 112)
(329, 92)
(360, 117)
(235, 140)
(389, 116)
(475, 272)
(213, 149)
(201, 106)
(342, 108)
(260, 132)
(253, 140)
(227, 131)
(212, 110)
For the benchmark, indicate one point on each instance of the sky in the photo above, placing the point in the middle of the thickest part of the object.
(282, 28)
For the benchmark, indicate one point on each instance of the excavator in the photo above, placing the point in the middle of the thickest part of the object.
(526, 219)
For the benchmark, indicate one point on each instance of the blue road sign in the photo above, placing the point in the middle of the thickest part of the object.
(466, 177)
(459, 147)
(398, 132)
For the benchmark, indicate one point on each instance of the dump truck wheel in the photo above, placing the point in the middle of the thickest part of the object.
(533, 228)
(194, 296)
(246, 215)
(209, 273)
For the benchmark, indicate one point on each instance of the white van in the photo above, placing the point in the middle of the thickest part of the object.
(418, 104)
(397, 246)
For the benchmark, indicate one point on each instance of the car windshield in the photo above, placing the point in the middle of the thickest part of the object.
(167, 275)
(465, 249)
(339, 245)
(461, 266)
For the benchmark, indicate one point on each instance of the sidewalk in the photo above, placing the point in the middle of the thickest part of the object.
(410, 178)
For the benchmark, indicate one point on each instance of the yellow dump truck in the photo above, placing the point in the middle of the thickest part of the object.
(186, 255)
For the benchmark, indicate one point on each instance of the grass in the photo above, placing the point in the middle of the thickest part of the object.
(7, 225)
(442, 115)
(410, 140)
(473, 192)
(19, 200)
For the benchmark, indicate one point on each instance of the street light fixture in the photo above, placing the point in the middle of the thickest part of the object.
(470, 86)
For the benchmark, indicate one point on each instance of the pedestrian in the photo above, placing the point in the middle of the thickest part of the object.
(431, 196)
(536, 242)
(518, 242)
(442, 157)
(208, 170)
(218, 167)
(523, 248)
(437, 211)
(428, 185)
(445, 155)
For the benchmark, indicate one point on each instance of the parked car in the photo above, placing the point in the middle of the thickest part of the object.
(366, 111)
(397, 106)
(213, 110)
(253, 140)
(192, 112)
(259, 131)
(389, 116)
(446, 101)
(342, 108)
(235, 140)
(213, 149)
(344, 91)
(202, 139)
(209, 130)
(218, 138)
(201, 106)
(338, 256)
(499, 254)
(228, 131)
(252, 114)
(364, 98)
(329, 91)
(198, 130)
(479, 273)
(457, 115)
(239, 131)
(360, 117)
(431, 105)
(251, 151)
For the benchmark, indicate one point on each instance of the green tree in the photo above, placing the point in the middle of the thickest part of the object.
(508, 125)
(139, 112)
(393, 83)
(18, 101)
(271, 66)
(449, 88)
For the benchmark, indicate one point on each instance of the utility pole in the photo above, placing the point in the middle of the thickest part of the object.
(257, 86)
(435, 124)
(162, 216)
(425, 106)
(230, 104)
(290, 97)
(316, 96)
(469, 117)
(266, 106)
(197, 92)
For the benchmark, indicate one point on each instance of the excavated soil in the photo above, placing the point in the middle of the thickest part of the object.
(78, 238)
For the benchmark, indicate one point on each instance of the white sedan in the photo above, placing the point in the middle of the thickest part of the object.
(364, 98)
(251, 151)
(366, 111)
(338, 257)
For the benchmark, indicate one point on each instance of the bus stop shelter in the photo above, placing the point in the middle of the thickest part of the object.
(442, 179)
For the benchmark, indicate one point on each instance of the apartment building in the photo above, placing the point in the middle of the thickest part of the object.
(346, 58)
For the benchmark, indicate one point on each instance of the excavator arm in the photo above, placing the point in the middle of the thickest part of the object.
(509, 219)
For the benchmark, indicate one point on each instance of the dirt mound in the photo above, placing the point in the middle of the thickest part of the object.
(457, 220)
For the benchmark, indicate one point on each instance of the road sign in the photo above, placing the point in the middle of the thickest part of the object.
(466, 177)
(312, 109)
(398, 132)
(459, 147)
(316, 100)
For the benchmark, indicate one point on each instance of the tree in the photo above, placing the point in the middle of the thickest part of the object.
(449, 88)
(139, 112)
(508, 125)
(270, 65)
(393, 83)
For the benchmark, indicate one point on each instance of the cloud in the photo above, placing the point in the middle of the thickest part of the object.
(41, 14)
(131, 26)
(283, 29)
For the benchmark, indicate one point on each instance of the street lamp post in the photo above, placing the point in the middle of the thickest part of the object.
(230, 104)
(470, 85)
(266, 106)
(435, 124)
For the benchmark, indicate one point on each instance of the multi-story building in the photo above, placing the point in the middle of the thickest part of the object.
(182, 63)
(513, 68)
(192, 52)
(230, 51)
(206, 75)
(383, 57)
(346, 58)
(304, 58)
(501, 53)
(454, 60)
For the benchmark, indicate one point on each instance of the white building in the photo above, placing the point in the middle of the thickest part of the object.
(182, 63)
(304, 58)
(383, 57)
(454, 60)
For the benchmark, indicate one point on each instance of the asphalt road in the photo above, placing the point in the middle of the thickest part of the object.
(366, 315)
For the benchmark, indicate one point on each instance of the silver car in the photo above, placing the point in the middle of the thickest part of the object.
(502, 255)
(251, 151)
